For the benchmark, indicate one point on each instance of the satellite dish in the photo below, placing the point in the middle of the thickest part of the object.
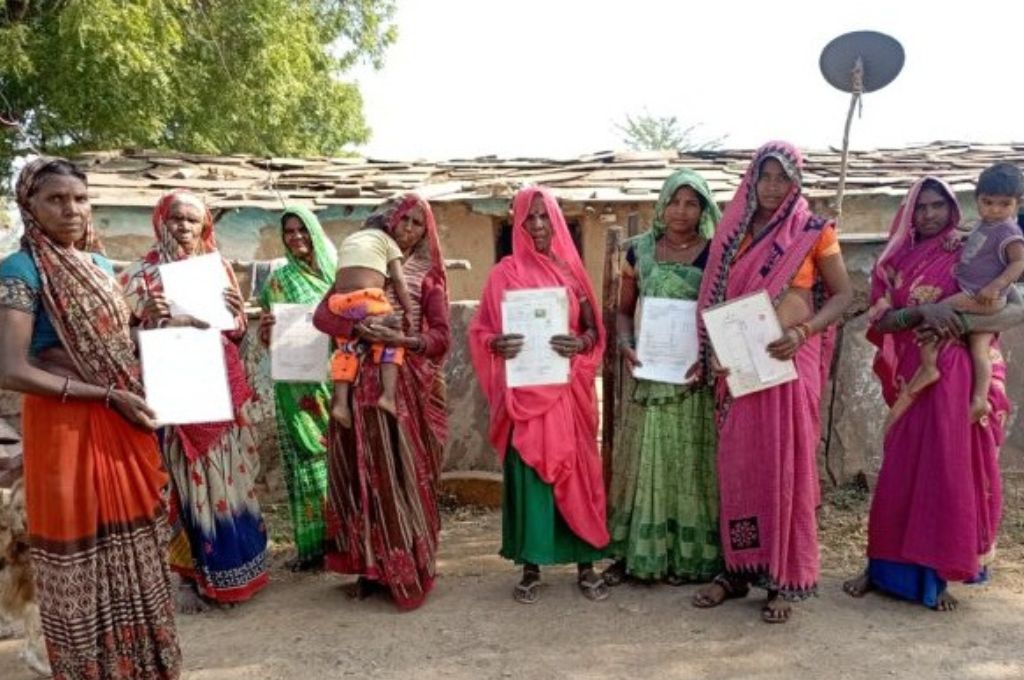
(881, 60)
(858, 62)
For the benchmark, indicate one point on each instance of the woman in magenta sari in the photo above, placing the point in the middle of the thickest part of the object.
(769, 240)
(553, 506)
(937, 505)
(382, 473)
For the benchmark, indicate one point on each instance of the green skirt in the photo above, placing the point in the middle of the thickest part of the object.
(663, 505)
(532, 529)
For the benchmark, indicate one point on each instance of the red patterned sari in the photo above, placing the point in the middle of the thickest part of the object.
(382, 517)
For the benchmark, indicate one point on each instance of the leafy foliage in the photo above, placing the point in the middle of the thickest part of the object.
(646, 132)
(211, 76)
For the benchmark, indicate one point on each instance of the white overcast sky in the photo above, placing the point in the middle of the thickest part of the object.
(550, 77)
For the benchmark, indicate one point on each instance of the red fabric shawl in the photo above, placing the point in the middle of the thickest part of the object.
(554, 427)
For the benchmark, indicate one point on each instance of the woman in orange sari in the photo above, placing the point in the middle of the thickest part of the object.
(92, 468)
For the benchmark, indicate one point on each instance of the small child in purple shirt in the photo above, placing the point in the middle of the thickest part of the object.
(992, 260)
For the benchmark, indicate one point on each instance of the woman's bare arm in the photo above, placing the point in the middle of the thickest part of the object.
(18, 374)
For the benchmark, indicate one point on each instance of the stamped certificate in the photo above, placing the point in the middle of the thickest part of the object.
(536, 314)
(196, 286)
(185, 377)
(740, 331)
(298, 351)
(666, 339)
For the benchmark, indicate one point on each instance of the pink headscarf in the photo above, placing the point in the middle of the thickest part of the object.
(774, 257)
(553, 427)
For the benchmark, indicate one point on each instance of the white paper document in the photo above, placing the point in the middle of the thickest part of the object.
(298, 351)
(666, 339)
(196, 286)
(740, 331)
(185, 377)
(536, 314)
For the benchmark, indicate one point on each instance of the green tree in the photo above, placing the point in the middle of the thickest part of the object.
(646, 132)
(209, 76)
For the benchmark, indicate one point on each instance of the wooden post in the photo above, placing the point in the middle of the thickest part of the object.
(610, 367)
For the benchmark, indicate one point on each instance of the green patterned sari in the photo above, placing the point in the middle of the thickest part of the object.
(663, 504)
(303, 409)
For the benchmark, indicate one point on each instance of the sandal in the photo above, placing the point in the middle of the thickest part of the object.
(731, 590)
(525, 591)
(675, 580)
(615, 574)
(775, 609)
(592, 585)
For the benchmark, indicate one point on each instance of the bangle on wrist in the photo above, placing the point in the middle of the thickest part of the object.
(64, 392)
(804, 331)
(106, 397)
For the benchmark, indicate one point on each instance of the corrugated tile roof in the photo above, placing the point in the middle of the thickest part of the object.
(138, 178)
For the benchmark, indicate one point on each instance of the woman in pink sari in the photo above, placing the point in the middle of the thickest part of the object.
(937, 505)
(553, 509)
(769, 240)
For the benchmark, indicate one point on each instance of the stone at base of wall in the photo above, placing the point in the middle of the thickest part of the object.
(473, 487)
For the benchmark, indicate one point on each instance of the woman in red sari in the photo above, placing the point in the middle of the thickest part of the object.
(553, 509)
(769, 240)
(937, 505)
(382, 517)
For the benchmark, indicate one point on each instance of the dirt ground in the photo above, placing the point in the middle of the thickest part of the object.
(307, 627)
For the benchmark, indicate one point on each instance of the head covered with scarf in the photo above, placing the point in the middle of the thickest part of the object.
(83, 302)
(644, 244)
(773, 257)
(142, 279)
(553, 427)
(297, 282)
(710, 214)
(389, 215)
(913, 269)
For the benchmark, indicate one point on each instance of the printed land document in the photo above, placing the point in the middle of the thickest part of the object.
(536, 314)
(740, 331)
(185, 376)
(667, 340)
(298, 351)
(196, 286)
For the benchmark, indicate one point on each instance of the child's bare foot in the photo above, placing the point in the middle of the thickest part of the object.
(386, 403)
(979, 408)
(341, 414)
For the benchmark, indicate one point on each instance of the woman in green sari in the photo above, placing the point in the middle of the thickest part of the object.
(663, 503)
(302, 408)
